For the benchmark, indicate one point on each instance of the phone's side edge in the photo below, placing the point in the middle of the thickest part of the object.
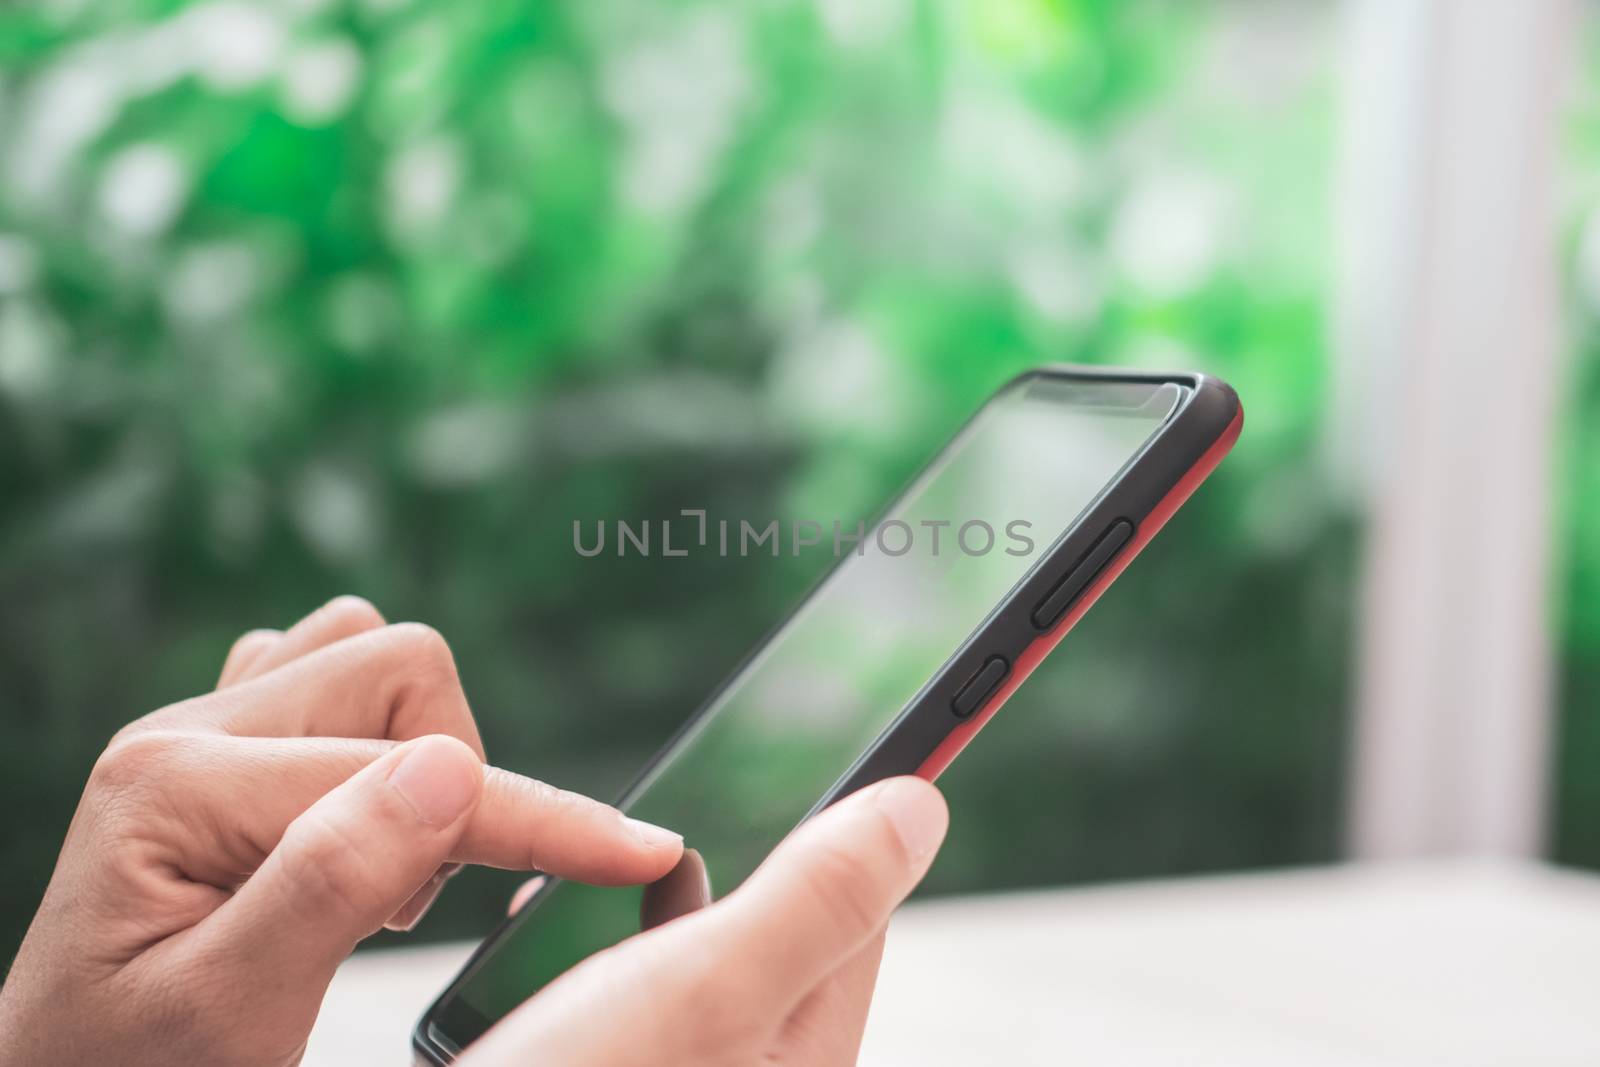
(1145, 531)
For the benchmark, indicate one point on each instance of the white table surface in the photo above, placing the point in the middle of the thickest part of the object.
(1460, 963)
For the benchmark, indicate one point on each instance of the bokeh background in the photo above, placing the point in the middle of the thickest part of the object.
(378, 296)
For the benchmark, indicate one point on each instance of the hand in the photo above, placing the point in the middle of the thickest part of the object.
(229, 851)
(779, 972)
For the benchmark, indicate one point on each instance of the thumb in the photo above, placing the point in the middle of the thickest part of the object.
(732, 974)
(351, 860)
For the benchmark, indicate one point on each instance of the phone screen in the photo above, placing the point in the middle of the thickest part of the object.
(902, 600)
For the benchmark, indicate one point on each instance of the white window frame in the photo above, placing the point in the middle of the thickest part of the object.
(1448, 356)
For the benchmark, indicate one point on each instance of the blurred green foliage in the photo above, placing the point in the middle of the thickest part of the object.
(379, 295)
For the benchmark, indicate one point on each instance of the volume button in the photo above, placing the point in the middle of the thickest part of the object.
(1075, 581)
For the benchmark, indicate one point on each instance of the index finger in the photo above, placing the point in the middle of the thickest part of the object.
(519, 823)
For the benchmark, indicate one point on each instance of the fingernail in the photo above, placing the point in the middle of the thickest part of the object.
(406, 919)
(651, 834)
(436, 779)
(918, 816)
(524, 893)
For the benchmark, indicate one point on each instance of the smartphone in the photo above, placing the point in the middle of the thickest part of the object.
(899, 656)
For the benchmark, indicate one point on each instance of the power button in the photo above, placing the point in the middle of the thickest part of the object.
(980, 686)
